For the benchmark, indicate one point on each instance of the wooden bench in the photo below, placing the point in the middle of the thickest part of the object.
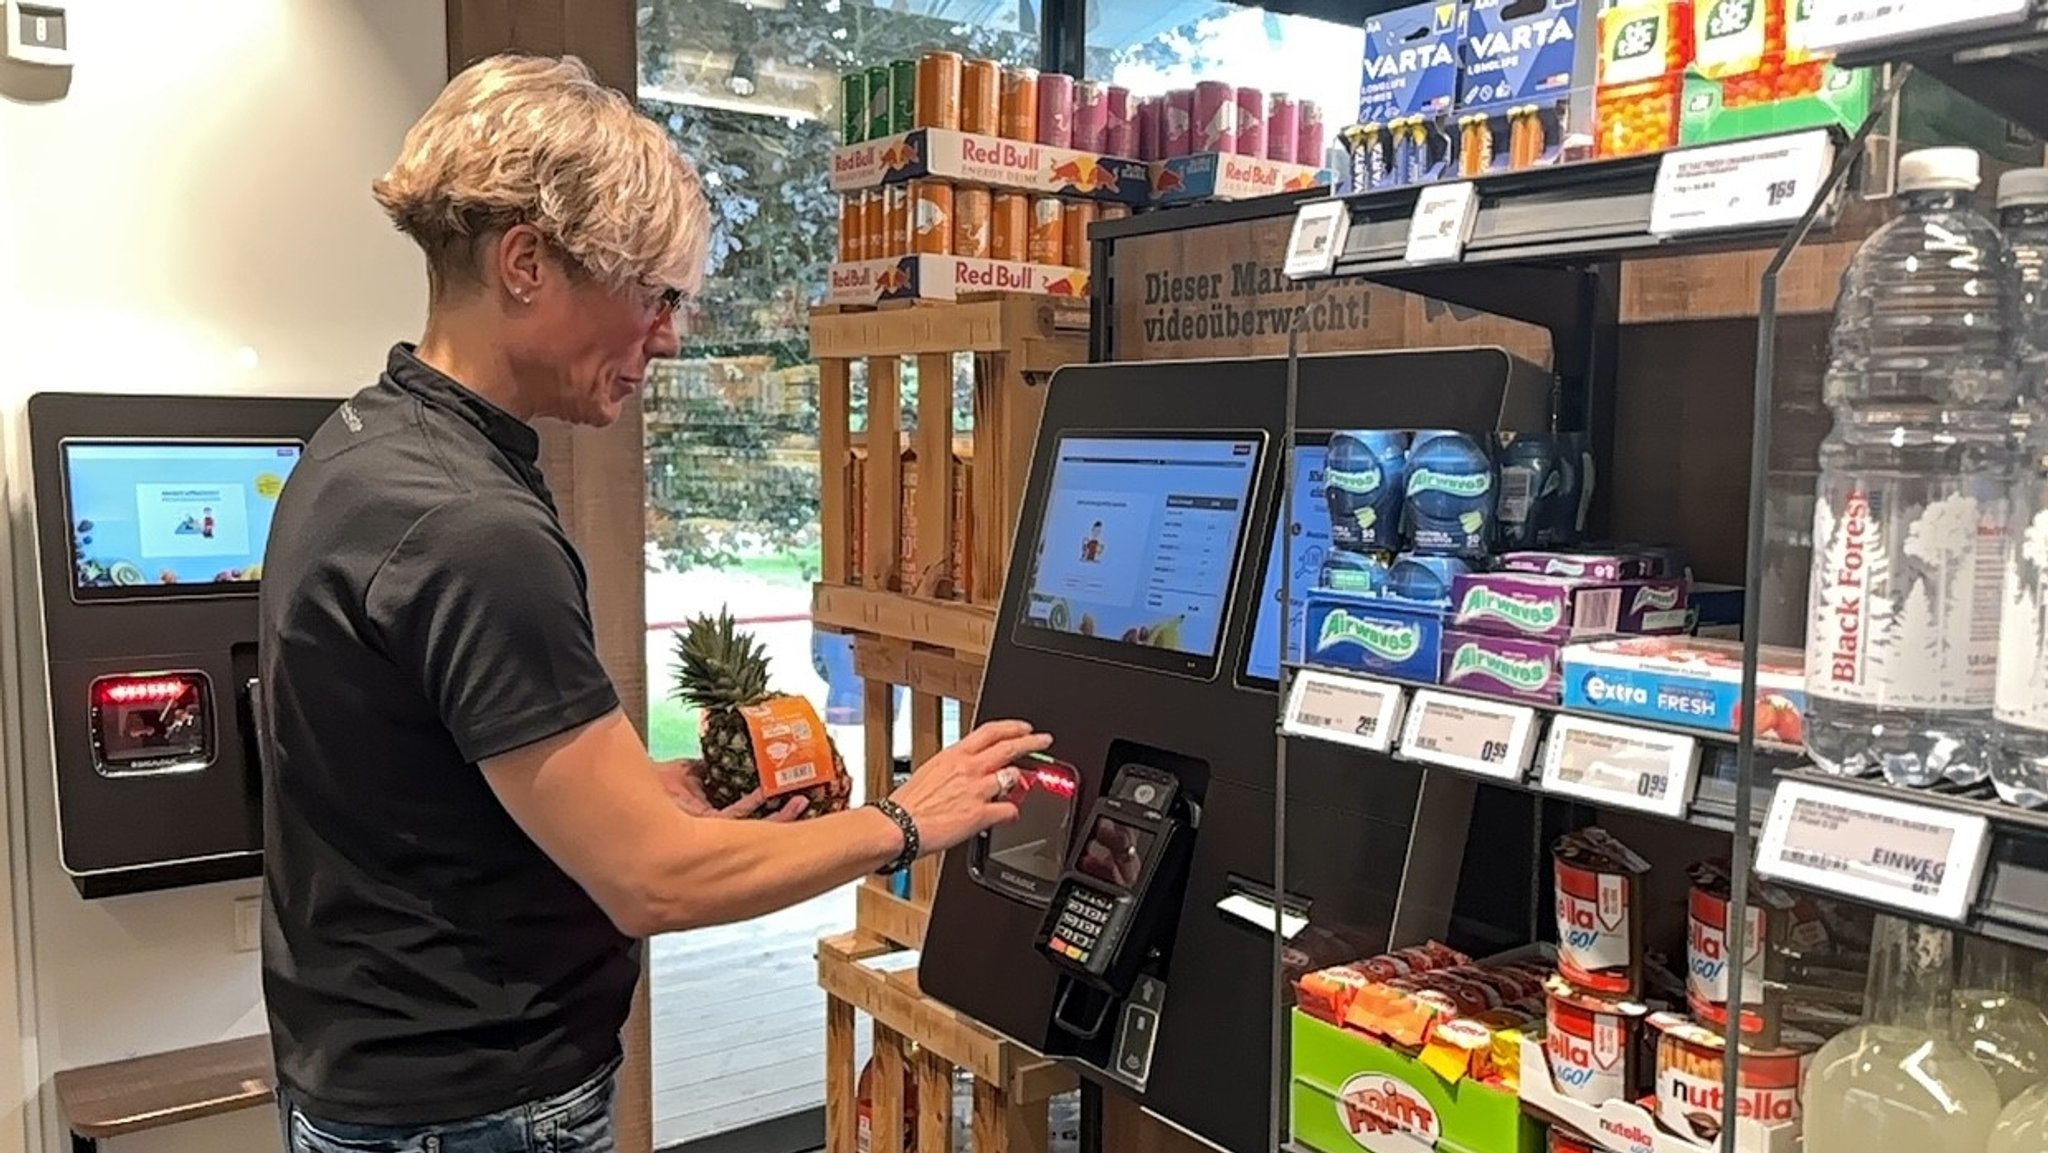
(161, 1089)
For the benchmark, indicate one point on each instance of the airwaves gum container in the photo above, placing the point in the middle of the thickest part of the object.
(1594, 1046)
(1599, 913)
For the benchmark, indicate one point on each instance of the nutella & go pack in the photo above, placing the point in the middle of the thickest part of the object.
(1599, 913)
(1594, 1045)
(1690, 1059)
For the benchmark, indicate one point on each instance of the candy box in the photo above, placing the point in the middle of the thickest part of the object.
(1560, 608)
(1499, 666)
(1379, 636)
(1580, 566)
(1687, 681)
(1644, 48)
(1349, 1092)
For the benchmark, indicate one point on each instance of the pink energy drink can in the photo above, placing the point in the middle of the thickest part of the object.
(1056, 109)
(1151, 128)
(1215, 117)
(1091, 116)
(1251, 122)
(1121, 122)
(1177, 123)
(1283, 127)
(1308, 147)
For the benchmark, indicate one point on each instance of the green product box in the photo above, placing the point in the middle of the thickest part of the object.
(1843, 99)
(902, 96)
(1931, 112)
(1351, 1093)
(853, 107)
(880, 105)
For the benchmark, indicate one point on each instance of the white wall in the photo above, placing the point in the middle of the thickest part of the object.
(190, 213)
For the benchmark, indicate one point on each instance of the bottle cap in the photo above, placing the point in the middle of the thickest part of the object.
(1927, 168)
(2023, 186)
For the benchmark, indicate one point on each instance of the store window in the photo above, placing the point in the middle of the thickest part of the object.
(750, 92)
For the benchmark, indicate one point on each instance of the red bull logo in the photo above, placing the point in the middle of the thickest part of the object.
(899, 155)
(1086, 174)
(1072, 284)
(1165, 180)
(894, 280)
(1309, 178)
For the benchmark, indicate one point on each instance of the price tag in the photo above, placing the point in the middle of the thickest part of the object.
(1470, 733)
(1442, 224)
(1839, 26)
(1742, 184)
(1319, 228)
(1888, 851)
(1620, 765)
(1347, 710)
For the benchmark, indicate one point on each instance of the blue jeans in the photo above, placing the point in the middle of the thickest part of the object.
(578, 1121)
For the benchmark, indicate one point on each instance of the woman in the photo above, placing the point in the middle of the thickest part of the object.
(465, 839)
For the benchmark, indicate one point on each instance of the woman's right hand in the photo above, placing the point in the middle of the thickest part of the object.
(961, 791)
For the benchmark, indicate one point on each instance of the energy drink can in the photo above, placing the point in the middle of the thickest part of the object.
(1283, 127)
(1020, 104)
(1450, 497)
(879, 106)
(1251, 122)
(1177, 123)
(972, 208)
(902, 95)
(1363, 481)
(1151, 128)
(1079, 214)
(1056, 109)
(1010, 226)
(1091, 116)
(1308, 142)
(853, 107)
(1120, 137)
(938, 90)
(1215, 117)
(931, 217)
(852, 245)
(1047, 243)
(874, 228)
(981, 97)
(897, 221)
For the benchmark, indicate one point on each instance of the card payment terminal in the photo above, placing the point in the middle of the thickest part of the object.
(1121, 883)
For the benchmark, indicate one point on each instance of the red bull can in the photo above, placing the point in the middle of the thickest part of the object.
(1048, 240)
(1120, 137)
(1010, 226)
(853, 107)
(1177, 123)
(1091, 116)
(1215, 117)
(972, 209)
(1079, 214)
(902, 95)
(1056, 109)
(1251, 122)
(1283, 127)
(879, 107)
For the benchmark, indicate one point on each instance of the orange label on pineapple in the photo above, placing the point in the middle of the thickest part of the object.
(790, 745)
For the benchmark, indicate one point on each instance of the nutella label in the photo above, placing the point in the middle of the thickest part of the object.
(1707, 960)
(1690, 1103)
(1592, 1068)
(1593, 927)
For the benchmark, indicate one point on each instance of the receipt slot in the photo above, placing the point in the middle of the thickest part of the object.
(1121, 886)
(151, 517)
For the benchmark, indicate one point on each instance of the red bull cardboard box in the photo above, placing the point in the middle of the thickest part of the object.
(947, 278)
(989, 161)
(1228, 176)
(1352, 1093)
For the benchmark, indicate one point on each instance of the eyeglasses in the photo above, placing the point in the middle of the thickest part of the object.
(664, 301)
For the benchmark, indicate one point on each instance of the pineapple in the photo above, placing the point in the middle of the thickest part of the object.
(722, 670)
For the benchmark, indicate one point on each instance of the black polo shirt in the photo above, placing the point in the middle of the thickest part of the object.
(423, 610)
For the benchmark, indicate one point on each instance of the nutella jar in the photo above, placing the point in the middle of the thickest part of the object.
(1690, 1060)
(1594, 1046)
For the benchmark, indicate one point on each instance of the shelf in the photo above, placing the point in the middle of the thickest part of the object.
(2012, 900)
(1712, 800)
(964, 628)
(2004, 67)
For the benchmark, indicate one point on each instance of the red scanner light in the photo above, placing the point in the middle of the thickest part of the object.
(143, 690)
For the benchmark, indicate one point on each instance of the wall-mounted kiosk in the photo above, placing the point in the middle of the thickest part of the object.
(151, 515)
(1124, 923)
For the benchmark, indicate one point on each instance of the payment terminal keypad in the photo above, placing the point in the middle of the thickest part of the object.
(1086, 917)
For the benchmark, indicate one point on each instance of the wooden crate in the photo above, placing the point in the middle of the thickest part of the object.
(917, 1037)
(1017, 341)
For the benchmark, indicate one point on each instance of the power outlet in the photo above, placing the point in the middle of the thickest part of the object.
(248, 925)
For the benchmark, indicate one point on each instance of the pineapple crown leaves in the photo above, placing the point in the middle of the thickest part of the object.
(717, 665)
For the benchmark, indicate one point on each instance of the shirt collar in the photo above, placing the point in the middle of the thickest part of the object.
(518, 440)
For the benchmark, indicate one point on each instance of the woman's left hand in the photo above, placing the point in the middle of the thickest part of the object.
(685, 786)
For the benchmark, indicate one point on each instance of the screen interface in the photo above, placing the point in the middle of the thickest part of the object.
(1311, 545)
(171, 515)
(1140, 539)
(1115, 852)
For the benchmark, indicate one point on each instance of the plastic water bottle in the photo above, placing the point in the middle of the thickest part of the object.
(1910, 516)
(2019, 760)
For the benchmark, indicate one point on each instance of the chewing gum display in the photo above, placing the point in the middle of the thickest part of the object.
(1375, 635)
(1599, 913)
(1364, 478)
(1501, 666)
(1677, 680)
(1560, 608)
(1449, 504)
(1586, 566)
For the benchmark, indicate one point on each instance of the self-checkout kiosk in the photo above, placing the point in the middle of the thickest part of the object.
(1124, 923)
(151, 514)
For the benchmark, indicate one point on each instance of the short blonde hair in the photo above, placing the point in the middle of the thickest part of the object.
(517, 139)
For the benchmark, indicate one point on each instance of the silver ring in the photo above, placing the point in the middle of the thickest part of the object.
(1006, 779)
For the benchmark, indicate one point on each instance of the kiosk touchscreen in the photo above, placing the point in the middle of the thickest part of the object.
(152, 514)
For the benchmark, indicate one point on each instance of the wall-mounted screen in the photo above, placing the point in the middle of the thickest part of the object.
(1138, 543)
(153, 518)
(1311, 546)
